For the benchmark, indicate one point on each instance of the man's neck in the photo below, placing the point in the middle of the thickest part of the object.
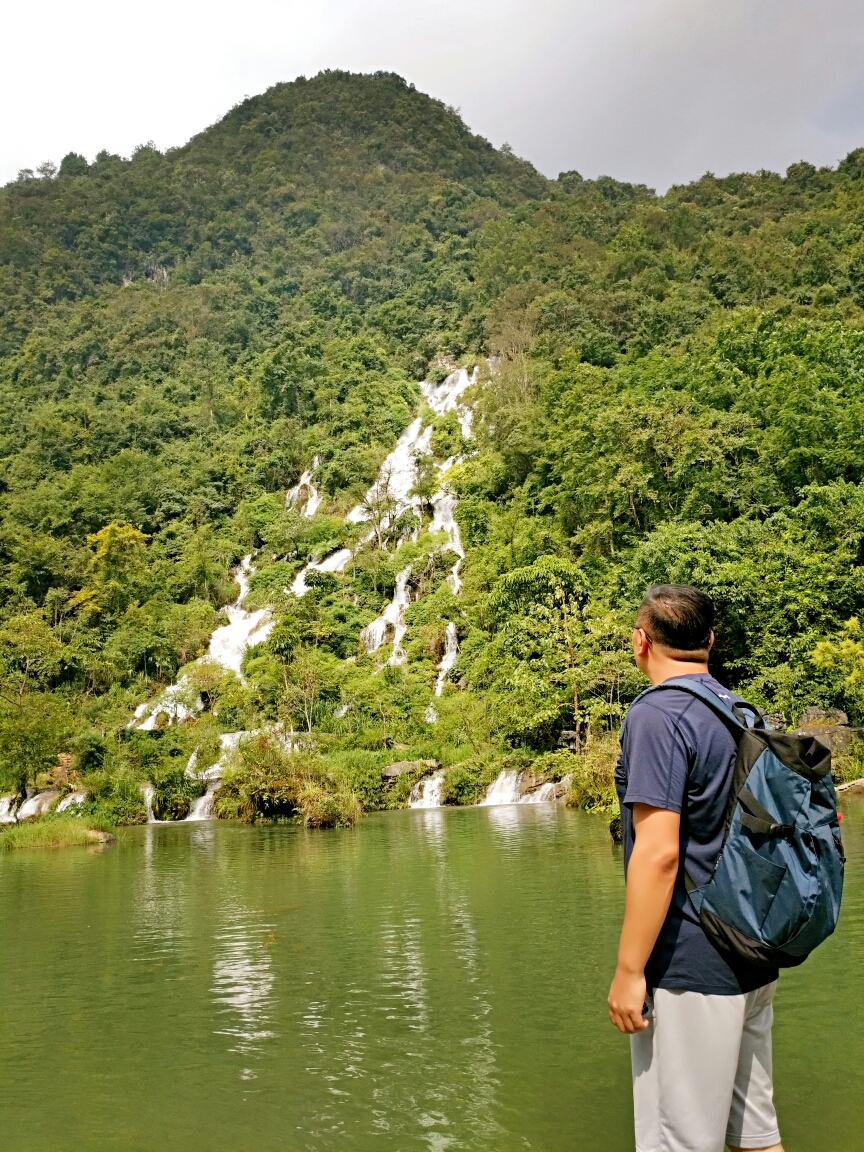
(661, 668)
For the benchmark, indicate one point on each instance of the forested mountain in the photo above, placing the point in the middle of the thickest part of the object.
(668, 388)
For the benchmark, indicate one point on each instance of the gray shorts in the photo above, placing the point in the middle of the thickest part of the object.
(702, 1073)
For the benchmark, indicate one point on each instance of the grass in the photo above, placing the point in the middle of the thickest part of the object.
(57, 832)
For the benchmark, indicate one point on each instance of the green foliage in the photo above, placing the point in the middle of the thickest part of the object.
(592, 784)
(669, 388)
(60, 831)
(267, 782)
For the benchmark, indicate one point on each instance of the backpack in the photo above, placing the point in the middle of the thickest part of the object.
(775, 891)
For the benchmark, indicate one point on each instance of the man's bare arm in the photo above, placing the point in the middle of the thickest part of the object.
(650, 880)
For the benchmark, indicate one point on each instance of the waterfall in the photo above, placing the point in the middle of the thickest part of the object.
(147, 791)
(374, 634)
(451, 651)
(243, 630)
(541, 795)
(202, 807)
(426, 793)
(335, 562)
(444, 502)
(37, 805)
(71, 800)
(397, 476)
(312, 500)
(504, 789)
(227, 646)
(7, 809)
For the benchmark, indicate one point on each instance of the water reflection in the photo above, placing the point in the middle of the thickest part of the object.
(243, 986)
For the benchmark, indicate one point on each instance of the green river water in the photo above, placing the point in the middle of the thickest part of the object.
(428, 980)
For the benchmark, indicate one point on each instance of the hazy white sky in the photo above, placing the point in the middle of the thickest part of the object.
(657, 91)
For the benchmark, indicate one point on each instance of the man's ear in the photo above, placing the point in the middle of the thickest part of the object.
(711, 641)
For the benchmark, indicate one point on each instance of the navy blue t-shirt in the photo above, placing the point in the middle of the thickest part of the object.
(677, 754)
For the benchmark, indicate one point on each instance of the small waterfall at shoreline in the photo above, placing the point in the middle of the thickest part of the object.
(37, 805)
(147, 791)
(504, 789)
(426, 793)
(71, 800)
(203, 806)
(542, 795)
(8, 805)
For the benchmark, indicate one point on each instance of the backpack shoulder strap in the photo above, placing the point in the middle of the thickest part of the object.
(733, 712)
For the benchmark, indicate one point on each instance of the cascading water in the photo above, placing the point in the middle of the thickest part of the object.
(444, 502)
(227, 647)
(335, 562)
(147, 792)
(451, 653)
(542, 795)
(304, 494)
(71, 800)
(37, 805)
(506, 788)
(398, 475)
(8, 804)
(393, 616)
(426, 793)
(390, 492)
(203, 807)
(243, 630)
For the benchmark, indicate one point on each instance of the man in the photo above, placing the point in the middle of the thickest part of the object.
(699, 1026)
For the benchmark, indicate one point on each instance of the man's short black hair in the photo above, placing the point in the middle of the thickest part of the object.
(677, 616)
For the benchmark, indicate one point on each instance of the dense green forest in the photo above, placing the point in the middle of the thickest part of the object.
(668, 388)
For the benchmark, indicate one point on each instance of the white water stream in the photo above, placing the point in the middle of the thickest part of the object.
(393, 617)
(304, 495)
(71, 800)
(8, 804)
(451, 652)
(426, 793)
(37, 805)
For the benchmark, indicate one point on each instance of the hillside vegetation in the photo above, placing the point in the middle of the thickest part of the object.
(669, 388)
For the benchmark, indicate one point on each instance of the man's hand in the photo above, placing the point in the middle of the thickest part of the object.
(650, 880)
(626, 999)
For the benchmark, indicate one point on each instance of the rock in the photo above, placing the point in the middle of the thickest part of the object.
(776, 721)
(563, 786)
(97, 837)
(402, 766)
(835, 737)
(851, 786)
(821, 716)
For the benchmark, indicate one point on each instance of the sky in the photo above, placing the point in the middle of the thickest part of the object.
(652, 91)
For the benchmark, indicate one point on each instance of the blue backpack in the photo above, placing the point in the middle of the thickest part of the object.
(777, 883)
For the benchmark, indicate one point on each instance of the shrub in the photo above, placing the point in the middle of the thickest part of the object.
(267, 782)
(325, 808)
(173, 793)
(592, 786)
